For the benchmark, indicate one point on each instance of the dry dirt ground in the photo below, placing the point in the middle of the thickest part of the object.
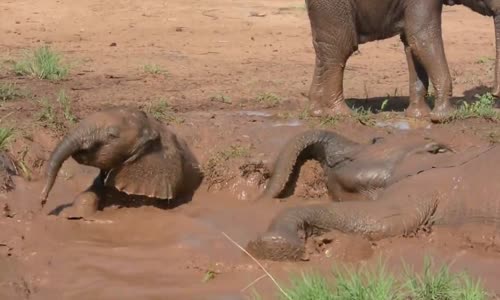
(234, 75)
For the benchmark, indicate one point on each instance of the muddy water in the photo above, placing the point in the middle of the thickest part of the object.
(148, 252)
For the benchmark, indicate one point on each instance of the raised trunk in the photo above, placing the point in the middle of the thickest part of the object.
(69, 145)
(316, 143)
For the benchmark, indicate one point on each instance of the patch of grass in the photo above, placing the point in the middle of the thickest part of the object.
(221, 98)
(369, 285)
(484, 60)
(54, 117)
(329, 121)
(269, 99)
(298, 7)
(494, 137)
(384, 104)
(155, 69)
(442, 285)
(309, 287)
(305, 114)
(26, 172)
(378, 284)
(42, 63)
(47, 113)
(65, 104)
(364, 116)
(9, 91)
(5, 136)
(209, 275)
(233, 152)
(162, 111)
(215, 169)
(483, 107)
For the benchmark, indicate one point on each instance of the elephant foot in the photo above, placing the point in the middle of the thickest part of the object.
(339, 109)
(442, 113)
(417, 111)
(84, 206)
(496, 91)
(276, 247)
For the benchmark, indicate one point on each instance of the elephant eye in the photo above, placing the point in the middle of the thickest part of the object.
(113, 133)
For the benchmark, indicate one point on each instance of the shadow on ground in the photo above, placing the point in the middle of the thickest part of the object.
(400, 103)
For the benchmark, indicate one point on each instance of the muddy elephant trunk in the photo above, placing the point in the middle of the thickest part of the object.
(319, 144)
(69, 145)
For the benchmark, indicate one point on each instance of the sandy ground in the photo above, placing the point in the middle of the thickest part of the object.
(218, 59)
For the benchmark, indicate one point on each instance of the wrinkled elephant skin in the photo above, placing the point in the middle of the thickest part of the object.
(136, 155)
(456, 193)
(352, 170)
(338, 27)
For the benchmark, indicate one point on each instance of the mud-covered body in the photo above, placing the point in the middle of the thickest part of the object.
(352, 170)
(449, 192)
(135, 153)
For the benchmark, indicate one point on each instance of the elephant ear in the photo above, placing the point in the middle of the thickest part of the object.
(157, 173)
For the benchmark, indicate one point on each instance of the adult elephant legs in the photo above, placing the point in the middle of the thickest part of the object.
(419, 84)
(334, 40)
(496, 87)
(423, 34)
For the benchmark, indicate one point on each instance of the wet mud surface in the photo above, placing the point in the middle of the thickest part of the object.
(210, 49)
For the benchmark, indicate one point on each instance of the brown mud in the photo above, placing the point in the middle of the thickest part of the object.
(241, 51)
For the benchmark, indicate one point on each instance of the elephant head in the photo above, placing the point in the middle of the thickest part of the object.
(106, 140)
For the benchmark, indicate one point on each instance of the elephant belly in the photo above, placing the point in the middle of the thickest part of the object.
(377, 20)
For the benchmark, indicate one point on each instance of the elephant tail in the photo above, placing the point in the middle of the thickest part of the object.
(314, 143)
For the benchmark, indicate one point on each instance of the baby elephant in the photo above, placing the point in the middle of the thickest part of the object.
(135, 153)
(352, 170)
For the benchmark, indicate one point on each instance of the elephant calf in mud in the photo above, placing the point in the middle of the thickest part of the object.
(352, 170)
(338, 27)
(135, 153)
(420, 191)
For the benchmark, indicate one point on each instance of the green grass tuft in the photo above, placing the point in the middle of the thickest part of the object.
(378, 284)
(309, 287)
(484, 107)
(47, 113)
(162, 111)
(364, 116)
(9, 91)
(42, 63)
(370, 285)
(65, 104)
(222, 99)
(155, 69)
(269, 99)
(442, 285)
(5, 136)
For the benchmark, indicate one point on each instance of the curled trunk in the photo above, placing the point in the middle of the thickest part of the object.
(321, 145)
(69, 145)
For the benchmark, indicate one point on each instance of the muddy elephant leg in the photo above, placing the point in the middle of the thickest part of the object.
(419, 84)
(87, 202)
(496, 87)
(334, 40)
(423, 34)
